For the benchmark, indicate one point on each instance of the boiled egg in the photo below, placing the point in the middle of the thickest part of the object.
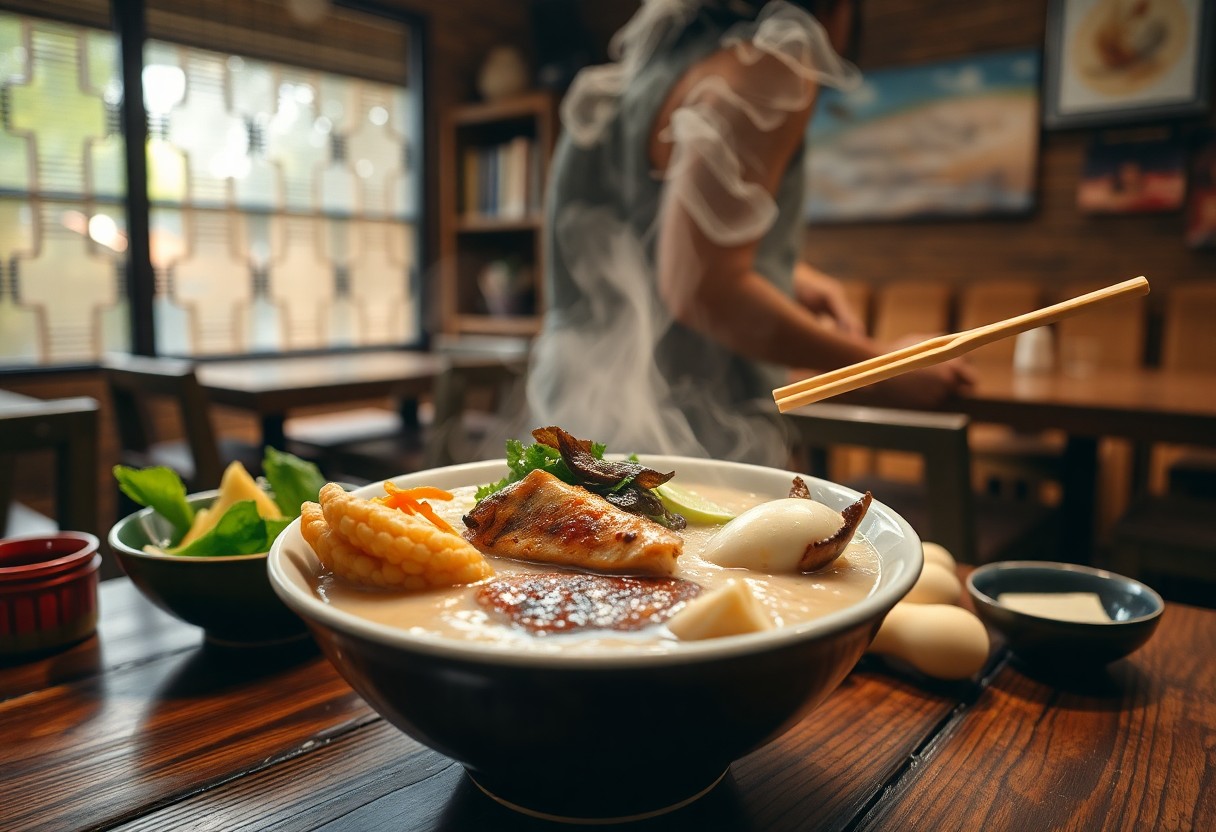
(772, 537)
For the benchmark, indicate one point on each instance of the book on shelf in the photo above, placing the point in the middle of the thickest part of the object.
(502, 181)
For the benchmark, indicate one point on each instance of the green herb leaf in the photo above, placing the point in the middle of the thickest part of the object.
(241, 531)
(524, 459)
(293, 480)
(162, 489)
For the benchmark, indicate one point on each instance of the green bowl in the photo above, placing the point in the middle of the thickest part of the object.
(228, 596)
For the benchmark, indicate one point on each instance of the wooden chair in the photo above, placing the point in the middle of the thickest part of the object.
(984, 302)
(1106, 337)
(470, 399)
(919, 307)
(940, 439)
(1170, 542)
(137, 384)
(328, 438)
(1170, 539)
(942, 507)
(1188, 345)
(1004, 459)
(902, 309)
(69, 428)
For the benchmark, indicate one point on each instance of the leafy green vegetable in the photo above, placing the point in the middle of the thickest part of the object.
(293, 480)
(524, 459)
(241, 531)
(162, 489)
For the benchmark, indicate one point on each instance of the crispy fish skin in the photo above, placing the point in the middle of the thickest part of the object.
(540, 518)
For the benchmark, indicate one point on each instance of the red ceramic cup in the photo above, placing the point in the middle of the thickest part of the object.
(48, 592)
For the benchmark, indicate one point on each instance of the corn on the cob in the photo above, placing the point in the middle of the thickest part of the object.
(409, 543)
(345, 560)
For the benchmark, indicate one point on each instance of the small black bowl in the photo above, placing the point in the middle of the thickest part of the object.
(1133, 607)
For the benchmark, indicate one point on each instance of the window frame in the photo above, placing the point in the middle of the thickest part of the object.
(128, 19)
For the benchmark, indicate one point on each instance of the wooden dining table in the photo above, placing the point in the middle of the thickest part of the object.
(1142, 405)
(148, 727)
(1148, 405)
(271, 387)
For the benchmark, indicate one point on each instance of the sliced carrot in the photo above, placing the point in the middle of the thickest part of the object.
(421, 492)
(429, 513)
(408, 500)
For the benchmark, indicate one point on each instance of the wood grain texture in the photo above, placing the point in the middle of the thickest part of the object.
(165, 738)
(151, 733)
(129, 631)
(1128, 748)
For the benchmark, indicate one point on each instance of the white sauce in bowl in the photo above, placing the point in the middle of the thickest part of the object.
(453, 613)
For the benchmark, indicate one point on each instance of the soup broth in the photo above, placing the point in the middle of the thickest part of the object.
(453, 612)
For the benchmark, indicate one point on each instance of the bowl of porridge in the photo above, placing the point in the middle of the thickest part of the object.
(569, 690)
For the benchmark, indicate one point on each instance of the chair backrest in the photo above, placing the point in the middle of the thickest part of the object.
(496, 378)
(135, 382)
(1188, 334)
(1109, 335)
(939, 438)
(69, 428)
(988, 301)
(918, 307)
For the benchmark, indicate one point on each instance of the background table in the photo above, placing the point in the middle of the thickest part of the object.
(146, 728)
(271, 387)
(1144, 405)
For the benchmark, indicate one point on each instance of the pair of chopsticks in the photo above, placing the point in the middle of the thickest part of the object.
(942, 348)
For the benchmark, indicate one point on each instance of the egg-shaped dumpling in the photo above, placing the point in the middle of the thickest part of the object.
(773, 537)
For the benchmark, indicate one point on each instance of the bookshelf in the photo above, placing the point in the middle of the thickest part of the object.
(496, 157)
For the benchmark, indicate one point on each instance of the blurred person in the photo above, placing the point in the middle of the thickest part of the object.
(675, 298)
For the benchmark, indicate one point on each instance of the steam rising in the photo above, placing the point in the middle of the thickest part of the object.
(611, 364)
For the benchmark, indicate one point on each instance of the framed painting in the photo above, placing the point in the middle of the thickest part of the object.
(1201, 206)
(949, 139)
(1138, 170)
(1109, 62)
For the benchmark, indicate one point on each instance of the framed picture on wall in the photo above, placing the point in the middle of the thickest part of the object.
(1109, 62)
(948, 139)
(1201, 206)
(1135, 170)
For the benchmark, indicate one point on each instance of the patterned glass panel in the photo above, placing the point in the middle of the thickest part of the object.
(282, 200)
(62, 226)
(300, 160)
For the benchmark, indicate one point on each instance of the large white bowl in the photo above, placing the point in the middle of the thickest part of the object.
(602, 736)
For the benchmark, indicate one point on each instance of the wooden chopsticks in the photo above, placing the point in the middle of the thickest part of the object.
(942, 348)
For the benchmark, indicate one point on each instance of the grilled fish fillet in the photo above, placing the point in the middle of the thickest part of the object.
(541, 518)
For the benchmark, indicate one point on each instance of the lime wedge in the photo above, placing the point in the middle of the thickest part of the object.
(694, 507)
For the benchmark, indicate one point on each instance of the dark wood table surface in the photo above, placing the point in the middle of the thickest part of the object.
(271, 387)
(145, 727)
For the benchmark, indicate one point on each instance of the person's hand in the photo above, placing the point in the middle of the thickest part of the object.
(928, 388)
(824, 295)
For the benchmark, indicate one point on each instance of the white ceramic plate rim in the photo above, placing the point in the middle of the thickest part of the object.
(896, 542)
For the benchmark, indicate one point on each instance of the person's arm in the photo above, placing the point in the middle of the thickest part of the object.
(707, 282)
(710, 286)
